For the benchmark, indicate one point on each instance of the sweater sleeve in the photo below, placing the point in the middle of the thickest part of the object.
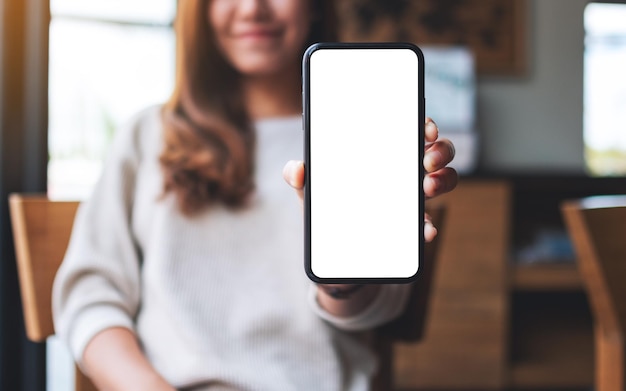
(97, 285)
(388, 304)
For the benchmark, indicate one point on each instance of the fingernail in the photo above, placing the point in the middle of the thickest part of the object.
(287, 170)
(432, 127)
(294, 166)
(435, 182)
(429, 231)
(292, 172)
(432, 160)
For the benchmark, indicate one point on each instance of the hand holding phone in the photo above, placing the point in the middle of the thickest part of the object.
(364, 145)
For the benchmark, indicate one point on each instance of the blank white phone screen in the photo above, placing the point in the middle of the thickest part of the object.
(364, 157)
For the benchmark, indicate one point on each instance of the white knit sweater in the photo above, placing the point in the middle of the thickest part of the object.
(219, 301)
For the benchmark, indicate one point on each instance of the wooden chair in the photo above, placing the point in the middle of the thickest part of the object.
(41, 232)
(410, 326)
(597, 227)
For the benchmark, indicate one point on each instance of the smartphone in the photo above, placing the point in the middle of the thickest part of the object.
(363, 118)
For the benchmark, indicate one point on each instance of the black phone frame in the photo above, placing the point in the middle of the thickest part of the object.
(307, 155)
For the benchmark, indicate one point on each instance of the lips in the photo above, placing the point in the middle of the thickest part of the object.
(258, 34)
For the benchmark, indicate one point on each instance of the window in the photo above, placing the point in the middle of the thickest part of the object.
(605, 89)
(108, 60)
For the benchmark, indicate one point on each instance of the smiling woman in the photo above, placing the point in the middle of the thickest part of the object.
(246, 43)
(185, 267)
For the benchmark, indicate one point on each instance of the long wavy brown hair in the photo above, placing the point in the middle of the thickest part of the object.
(208, 154)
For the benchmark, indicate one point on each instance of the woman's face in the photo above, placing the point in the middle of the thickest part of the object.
(260, 37)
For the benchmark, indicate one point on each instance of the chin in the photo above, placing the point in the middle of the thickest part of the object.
(262, 68)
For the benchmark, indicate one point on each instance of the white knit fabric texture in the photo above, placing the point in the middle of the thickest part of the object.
(218, 301)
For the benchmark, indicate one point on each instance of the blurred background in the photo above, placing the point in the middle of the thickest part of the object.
(531, 92)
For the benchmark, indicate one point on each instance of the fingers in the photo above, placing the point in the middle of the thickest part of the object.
(293, 173)
(431, 131)
(440, 179)
(429, 229)
(438, 154)
(440, 182)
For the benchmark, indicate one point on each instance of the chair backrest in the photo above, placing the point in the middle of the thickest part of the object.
(411, 325)
(597, 227)
(41, 233)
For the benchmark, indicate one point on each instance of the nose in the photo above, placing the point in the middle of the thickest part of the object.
(254, 9)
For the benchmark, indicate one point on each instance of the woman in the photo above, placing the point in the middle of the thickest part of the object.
(184, 269)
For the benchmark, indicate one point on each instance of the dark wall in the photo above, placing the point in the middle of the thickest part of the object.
(23, 162)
